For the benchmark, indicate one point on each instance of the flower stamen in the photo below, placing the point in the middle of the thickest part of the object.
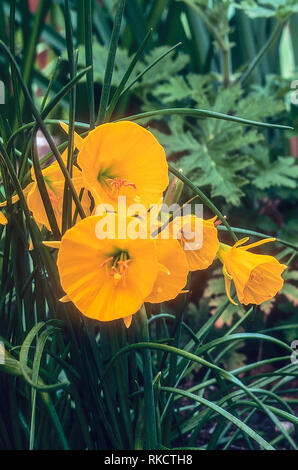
(118, 270)
(55, 200)
(118, 183)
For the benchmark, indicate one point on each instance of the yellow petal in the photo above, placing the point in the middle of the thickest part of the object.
(14, 199)
(241, 242)
(206, 233)
(256, 277)
(228, 289)
(264, 282)
(260, 242)
(88, 279)
(127, 321)
(163, 269)
(3, 219)
(53, 244)
(64, 299)
(172, 271)
(78, 140)
(124, 151)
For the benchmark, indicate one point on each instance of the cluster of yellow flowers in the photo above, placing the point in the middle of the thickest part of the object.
(108, 278)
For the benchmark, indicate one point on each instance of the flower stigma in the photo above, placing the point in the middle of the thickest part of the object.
(117, 267)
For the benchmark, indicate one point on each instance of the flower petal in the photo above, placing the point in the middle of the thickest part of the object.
(126, 151)
(173, 271)
(83, 263)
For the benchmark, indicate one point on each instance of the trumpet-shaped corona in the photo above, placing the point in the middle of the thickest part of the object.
(106, 279)
(257, 278)
(123, 159)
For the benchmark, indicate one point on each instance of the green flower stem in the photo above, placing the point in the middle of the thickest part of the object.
(18, 121)
(89, 59)
(156, 12)
(44, 129)
(203, 113)
(212, 29)
(30, 56)
(149, 67)
(274, 36)
(106, 88)
(194, 112)
(67, 199)
(222, 41)
(43, 189)
(226, 64)
(203, 198)
(258, 234)
(150, 425)
(121, 381)
(127, 74)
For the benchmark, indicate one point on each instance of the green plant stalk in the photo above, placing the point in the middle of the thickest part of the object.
(41, 341)
(222, 412)
(205, 20)
(141, 74)
(198, 113)
(274, 36)
(168, 417)
(127, 74)
(30, 55)
(156, 12)
(122, 389)
(222, 42)
(150, 425)
(48, 108)
(226, 63)
(67, 199)
(89, 59)
(5, 161)
(106, 88)
(50, 85)
(247, 43)
(262, 235)
(44, 130)
(18, 121)
(43, 190)
(238, 393)
(13, 367)
(203, 198)
(203, 113)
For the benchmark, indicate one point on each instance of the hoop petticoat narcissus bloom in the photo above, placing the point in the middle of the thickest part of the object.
(199, 239)
(55, 182)
(109, 278)
(172, 272)
(257, 277)
(123, 159)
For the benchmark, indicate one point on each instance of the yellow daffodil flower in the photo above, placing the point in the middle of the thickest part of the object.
(107, 278)
(123, 159)
(199, 239)
(257, 278)
(110, 278)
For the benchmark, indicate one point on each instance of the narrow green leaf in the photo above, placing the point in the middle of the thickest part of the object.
(105, 94)
(237, 422)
